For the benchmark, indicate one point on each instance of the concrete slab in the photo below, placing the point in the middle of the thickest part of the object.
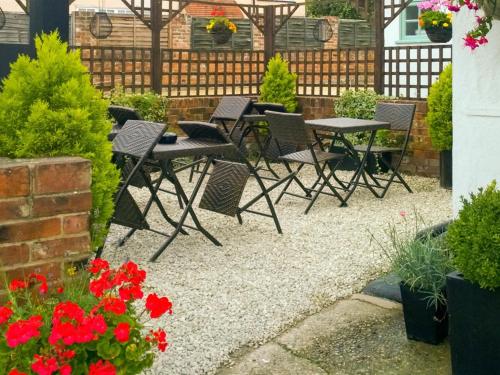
(272, 359)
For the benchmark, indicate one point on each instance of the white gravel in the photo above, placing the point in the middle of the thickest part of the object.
(260, 282)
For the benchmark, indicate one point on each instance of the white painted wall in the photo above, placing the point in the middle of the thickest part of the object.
(476, 111)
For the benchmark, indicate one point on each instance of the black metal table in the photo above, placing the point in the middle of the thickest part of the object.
(339, 126)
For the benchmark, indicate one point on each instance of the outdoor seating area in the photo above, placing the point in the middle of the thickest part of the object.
(240, 187)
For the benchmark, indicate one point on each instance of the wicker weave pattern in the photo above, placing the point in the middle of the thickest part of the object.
(306, 157)
(288, 128)
(225, 188)
(231, 108)
(262, 107)
(138, 138)
(123, 114)
(400, 116)
(128, 214)
(204, 131)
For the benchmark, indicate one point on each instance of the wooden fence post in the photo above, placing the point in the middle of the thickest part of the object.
(156, 63)
(269, 35)
(379, 64)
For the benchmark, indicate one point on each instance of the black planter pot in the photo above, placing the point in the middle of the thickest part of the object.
(221, 35)
(439, 34)
(384, 160)
(349, 164)
(445, 169)
(423, 322)
(474, 327)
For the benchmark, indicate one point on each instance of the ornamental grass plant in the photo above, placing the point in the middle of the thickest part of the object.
(94, 323)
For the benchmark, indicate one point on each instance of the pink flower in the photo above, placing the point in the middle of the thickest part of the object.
(402, 213)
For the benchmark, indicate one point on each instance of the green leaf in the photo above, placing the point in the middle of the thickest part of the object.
(107, 350)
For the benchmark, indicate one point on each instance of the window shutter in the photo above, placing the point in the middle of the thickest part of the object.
(355, 34)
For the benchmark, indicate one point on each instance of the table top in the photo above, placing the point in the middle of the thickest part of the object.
(347, 125)
(185, 147)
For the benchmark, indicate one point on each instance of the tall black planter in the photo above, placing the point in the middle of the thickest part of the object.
(349, 164)
(474, 327)
(423, 322)
(446, 169)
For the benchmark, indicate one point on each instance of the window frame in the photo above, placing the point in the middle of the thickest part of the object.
(406, 39)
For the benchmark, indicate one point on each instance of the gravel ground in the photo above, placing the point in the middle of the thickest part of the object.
(260, 282)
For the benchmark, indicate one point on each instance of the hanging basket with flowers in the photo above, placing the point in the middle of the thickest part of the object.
(220, 27)
(436, 21)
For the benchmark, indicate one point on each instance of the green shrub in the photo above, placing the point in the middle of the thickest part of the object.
(49, 108)
(361, 104)
(439, 115)
(474, 238)
(339, 8)
(151, 106)
(421, 261)
(279, 85)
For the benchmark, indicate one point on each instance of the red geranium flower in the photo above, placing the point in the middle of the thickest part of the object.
(17, 284)
(158, 306)
(65, 370)
(102, 368)
(43, 288)
(22, 331)
(159, 337)
(5, 314)
(111, 304)
(122, 332)
(15, 371)
(98, 265)
(44, 365)
(128, 293)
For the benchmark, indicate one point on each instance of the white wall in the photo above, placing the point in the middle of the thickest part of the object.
(476, 110)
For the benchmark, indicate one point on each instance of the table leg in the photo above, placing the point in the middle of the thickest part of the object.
(188, 209)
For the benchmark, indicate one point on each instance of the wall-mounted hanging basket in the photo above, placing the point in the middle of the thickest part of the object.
(439, 34)
(101, 26)
(323, 31)
(2, 19)
(221, 35)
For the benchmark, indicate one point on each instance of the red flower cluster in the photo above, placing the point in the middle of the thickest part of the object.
(217, 12)
(71, 328)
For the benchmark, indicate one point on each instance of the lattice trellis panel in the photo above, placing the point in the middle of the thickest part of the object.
(393, 8)
(169, 9)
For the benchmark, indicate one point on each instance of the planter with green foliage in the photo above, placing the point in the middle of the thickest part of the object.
(151, 106)
(439, 120)
(48, 108)
(361, 104)
(474, 291)
(422, 263)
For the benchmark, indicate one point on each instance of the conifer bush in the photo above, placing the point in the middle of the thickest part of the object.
(49, 108)
(279, 84)
(439, 115)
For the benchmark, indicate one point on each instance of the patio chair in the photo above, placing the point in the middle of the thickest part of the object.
(229, 176)
(290, 128)
(400, 116)
(132, 147)
(122, 114)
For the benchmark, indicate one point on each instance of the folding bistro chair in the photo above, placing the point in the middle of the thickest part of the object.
(400, 116)
(229, 113)
(132, 146)
(290, 128)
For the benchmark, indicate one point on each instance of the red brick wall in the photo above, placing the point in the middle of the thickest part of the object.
(421, 159)
(44, 215)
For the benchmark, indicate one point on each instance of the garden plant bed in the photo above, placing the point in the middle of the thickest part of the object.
(260, 282)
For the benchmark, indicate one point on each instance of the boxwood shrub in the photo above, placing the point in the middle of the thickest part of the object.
(49, 108)
(439, 115)
(474, 238)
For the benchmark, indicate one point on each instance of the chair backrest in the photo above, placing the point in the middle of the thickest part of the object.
(231, 108)
(204, 131)
(262, 107)
(400, 116)
(288, 128)
(138, 138)
(123, 114)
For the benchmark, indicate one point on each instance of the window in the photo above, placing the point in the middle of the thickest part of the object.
(410, 30)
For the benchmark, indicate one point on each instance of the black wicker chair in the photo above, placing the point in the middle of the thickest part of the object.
(290, 128)
(400, 116)
(122, 114)
(132, 146)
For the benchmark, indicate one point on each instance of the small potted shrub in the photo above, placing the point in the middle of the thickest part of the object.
(436, 20)
(422, 263)
(439, 120)
(220, 27)
(474, 291)
(93, 323)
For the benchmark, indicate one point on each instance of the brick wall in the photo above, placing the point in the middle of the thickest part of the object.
(421, 159)
(44, 215)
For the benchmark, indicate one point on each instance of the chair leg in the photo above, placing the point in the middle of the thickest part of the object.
(293, 178)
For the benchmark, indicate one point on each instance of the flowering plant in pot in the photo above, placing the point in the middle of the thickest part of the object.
(477, 36)
(89, 325)
(421, 261)
(474, 290)
(436, 20)
(221, 27)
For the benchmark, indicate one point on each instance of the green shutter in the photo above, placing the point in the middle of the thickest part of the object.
(298, 33)
(355, 34)
(202, 40)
